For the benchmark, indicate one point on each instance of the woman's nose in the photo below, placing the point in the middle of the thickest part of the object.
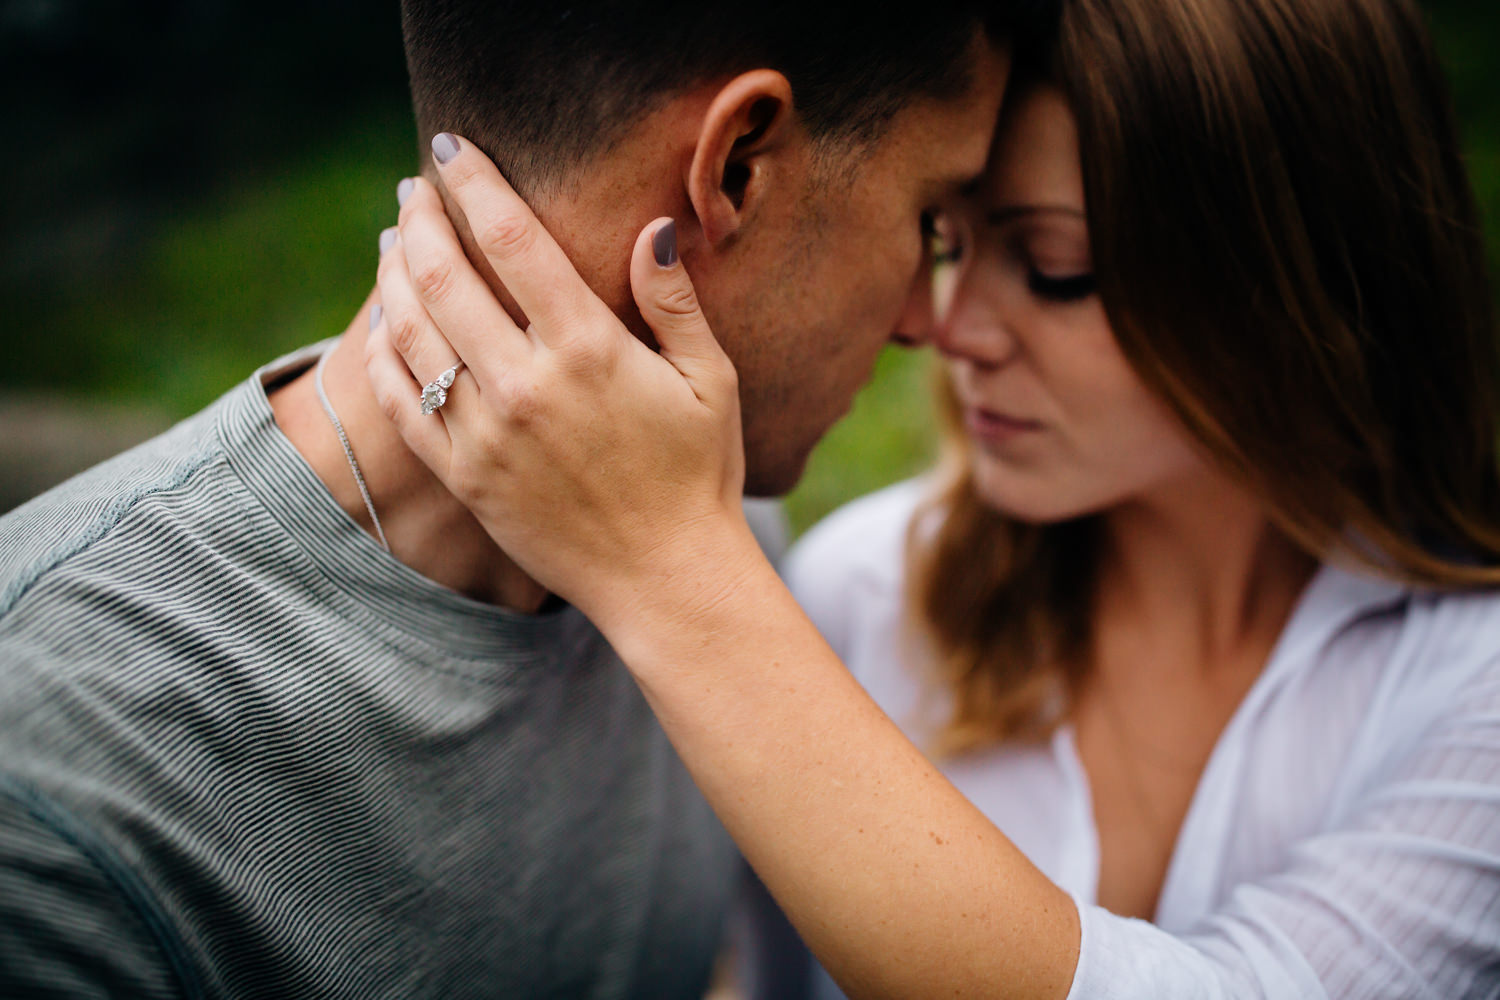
(974, 329)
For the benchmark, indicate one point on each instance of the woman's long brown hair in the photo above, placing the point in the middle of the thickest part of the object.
(1289, 254)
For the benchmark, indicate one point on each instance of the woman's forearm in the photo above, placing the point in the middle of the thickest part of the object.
(898, 884)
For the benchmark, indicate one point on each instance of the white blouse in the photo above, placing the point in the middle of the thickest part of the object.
(1344, 839)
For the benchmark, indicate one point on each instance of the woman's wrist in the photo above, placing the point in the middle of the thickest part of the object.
(697, 587)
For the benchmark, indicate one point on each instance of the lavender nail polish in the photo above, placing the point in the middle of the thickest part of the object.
(404, 190)
(374, 316)
(444, 147)
(664, 245)
(387, 239)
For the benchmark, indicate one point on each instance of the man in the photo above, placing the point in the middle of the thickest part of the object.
(246, 751)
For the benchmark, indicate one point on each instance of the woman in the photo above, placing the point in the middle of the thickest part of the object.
(1205, 612)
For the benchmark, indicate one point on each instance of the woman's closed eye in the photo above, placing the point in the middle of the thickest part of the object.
(1051, 247)
(1061, 288)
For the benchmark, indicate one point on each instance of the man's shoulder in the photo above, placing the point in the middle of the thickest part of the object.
(92, 570)
(115, 503)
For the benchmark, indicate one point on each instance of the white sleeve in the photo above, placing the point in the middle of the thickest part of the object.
(1401, 901)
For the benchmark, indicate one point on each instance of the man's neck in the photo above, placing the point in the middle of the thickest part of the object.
(428, 529)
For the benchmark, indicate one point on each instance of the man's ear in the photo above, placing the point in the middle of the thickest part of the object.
(747, 124)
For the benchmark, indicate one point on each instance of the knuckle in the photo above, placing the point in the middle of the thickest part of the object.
(460, 476)
(432, 277)
(522, 400)
(602, 359)
(581, 358)
(391, 407)
(679, 301)
(505, 237)
(403, 330)
(460, 172)
(607, 366)
(583, 342)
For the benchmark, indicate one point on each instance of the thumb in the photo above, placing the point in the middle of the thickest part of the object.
(664, 293)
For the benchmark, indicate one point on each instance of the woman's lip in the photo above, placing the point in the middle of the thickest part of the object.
(992, 425)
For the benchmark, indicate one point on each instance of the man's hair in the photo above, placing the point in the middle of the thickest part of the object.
(544, 86)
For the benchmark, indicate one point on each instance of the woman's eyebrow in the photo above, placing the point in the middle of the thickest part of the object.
(1006, 213)
(964, 184)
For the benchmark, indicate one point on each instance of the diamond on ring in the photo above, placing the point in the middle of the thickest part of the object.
(435, 393)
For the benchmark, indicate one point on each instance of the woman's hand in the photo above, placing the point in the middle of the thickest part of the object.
(604, 469)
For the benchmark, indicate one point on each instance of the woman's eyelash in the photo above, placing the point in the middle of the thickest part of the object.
(1070, 289)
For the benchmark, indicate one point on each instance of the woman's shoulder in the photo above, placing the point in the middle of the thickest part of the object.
(1457, 632)
(1457, 628)
(1381, 653)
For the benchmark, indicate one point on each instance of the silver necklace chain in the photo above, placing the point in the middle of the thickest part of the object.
(359, 479)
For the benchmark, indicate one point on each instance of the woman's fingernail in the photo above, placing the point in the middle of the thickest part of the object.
(374, 317)
(387, 239)
(664, 245)
(404, 190)
(444, 147)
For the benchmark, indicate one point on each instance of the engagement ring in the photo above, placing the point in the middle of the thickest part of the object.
(435, 393)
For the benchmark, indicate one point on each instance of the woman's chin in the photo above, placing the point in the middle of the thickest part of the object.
(1024, 497)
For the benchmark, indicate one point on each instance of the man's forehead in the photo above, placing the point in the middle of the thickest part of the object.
(949, 139)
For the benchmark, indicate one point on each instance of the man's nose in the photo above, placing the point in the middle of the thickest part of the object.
(915, 326)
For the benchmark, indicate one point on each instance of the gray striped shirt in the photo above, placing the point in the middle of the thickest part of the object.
(244, 752)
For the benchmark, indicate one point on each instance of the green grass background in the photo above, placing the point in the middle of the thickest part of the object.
(275, 257)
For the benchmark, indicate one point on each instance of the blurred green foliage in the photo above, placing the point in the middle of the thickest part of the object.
(271, 257)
